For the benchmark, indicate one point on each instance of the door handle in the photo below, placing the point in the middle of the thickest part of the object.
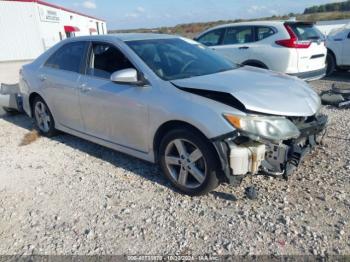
(83, 88)
(43, 77)
(243, 47)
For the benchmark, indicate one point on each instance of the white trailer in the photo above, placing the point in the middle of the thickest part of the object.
(29, 27)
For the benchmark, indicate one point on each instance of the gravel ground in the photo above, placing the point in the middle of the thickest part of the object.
(69, 196)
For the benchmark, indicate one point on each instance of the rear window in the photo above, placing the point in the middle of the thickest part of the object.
(69, 57)
(264, 32)
(306, 32)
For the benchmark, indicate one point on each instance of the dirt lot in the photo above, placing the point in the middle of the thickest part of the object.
(69, 196)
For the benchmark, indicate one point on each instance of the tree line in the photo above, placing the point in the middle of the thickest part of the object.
(332, 7)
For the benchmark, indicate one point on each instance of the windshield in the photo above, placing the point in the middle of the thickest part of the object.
(176, 58)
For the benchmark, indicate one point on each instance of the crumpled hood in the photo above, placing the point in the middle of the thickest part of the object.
(260, 90)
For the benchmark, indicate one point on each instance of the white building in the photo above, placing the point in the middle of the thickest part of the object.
(29, 27)
(327, 26)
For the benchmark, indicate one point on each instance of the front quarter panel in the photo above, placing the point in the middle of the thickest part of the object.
(173, 104)
(335, 44)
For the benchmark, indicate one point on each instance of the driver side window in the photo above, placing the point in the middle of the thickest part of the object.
(105, 59)
(212, 38)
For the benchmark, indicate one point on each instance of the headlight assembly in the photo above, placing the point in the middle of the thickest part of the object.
(266, 127)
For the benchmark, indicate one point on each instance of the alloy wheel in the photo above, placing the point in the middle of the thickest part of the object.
(42, 117)
(185, 163)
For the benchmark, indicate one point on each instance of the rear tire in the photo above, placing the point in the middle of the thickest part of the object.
(331, 64)
(43, 118)
(189, 161)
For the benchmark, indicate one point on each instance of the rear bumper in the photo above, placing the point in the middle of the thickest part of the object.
(311, 75)
(8, 101)
(10, 97)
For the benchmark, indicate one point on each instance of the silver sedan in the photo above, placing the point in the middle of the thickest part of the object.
(170, 100)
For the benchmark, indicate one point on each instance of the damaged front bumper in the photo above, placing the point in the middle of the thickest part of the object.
(241, 156)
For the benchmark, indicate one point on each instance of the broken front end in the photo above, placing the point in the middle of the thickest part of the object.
(269, 145)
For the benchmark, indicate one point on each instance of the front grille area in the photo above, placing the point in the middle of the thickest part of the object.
(298, 121)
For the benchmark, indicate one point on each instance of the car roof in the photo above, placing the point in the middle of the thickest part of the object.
(143, 36)
(267, 23)
(264, 23)
(123, 37)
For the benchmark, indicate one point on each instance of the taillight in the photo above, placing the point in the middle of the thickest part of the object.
(293, 41)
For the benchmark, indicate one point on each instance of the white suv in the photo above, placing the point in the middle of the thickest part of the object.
(338, 44)
(295, 48)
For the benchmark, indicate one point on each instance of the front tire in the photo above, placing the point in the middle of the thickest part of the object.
(43, 118)
(189, 161)
(331, 64)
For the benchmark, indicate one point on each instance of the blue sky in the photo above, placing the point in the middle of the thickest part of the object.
(127, 14)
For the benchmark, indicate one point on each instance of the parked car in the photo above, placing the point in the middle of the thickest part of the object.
(338, 45)
(170, 100)
(294, 48)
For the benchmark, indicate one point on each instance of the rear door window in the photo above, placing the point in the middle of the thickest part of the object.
(263, 32)
(239, 35)
(212, 38)
(306, 32)
(69, 57)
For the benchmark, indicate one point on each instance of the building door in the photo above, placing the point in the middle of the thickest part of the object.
(98, 28)
(70, 34)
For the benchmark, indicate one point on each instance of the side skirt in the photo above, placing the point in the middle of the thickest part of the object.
(149, 157)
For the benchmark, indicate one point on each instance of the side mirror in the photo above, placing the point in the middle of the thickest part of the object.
(126, 76)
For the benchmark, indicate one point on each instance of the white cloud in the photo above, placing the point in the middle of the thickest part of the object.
(273, 12)
(256, 8)
(137, 13)
(132, 15)
(89, 4)
(140, 9)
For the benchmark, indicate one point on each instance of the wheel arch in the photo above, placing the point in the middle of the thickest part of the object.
(31, 100)
(32, 97)
(257, 63)
(171, 125)
(330, 51)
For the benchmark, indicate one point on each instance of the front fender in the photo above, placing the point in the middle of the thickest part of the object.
(202, 113)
